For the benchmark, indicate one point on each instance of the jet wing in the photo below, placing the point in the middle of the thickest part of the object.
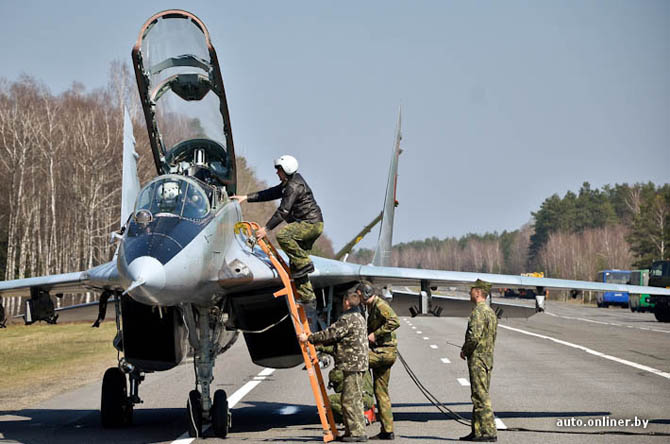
(102, 277)
(440, 278)
(330, 272)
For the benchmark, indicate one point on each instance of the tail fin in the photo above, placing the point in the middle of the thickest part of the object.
(130, 184)
(382, 257)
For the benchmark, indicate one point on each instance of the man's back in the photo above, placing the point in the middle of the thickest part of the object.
(350, 334)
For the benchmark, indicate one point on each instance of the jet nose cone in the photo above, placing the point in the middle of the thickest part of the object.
(147, 272)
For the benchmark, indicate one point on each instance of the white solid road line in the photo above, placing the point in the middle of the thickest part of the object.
(593, 352)
(500, 425)
(464, 382)
(445, 361)
(593, 321)
(232, 400)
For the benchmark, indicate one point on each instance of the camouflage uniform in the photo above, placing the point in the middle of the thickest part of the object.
(351, 356)
(480, 339)
(382, 321)
(297, 239)
(335, 377)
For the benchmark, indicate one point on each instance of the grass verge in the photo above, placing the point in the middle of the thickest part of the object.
(38, 362)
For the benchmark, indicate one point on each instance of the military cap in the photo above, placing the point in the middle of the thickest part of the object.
(482, 285)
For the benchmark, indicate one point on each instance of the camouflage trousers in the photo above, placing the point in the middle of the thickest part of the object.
(381, 361)
(336, 404)
(352, 404)
(297, 239)
(483, 421)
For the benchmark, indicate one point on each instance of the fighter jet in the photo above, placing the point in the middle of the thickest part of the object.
(183, 279)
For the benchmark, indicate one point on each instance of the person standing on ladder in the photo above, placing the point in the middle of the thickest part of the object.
(304, 225)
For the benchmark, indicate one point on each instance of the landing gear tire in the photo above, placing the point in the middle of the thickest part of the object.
(662, 315)
(116, 410)
(220, 414)
(194, 414)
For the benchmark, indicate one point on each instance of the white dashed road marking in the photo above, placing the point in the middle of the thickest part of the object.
(445, 361)
(425, 338)
(433, 346)
(464, 382)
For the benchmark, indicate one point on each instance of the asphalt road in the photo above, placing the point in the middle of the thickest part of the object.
(571, 362)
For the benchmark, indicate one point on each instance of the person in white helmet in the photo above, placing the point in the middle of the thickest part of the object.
(304, 222)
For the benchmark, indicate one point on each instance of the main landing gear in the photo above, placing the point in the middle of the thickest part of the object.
(117, 402)
(204, 335)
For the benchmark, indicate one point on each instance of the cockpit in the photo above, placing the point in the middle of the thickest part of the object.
(173, 195)
(184, 100)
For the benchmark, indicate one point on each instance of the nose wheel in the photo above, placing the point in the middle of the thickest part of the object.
(194, 414)
(221, 419)
(219, 414)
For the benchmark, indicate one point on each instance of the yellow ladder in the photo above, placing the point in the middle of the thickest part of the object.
(301, 325)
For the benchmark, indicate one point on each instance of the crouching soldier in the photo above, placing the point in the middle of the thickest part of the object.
(335, 379)
(351, 356)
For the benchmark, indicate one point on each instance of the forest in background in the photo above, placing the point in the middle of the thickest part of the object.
(570, 237)
(60, 172)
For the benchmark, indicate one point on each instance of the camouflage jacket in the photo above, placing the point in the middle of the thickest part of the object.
(480, 337)
(349, 333)
(382, 321)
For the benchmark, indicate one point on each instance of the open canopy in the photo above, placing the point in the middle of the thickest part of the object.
(184, 101)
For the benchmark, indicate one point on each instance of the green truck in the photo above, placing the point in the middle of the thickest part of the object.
(639, 302)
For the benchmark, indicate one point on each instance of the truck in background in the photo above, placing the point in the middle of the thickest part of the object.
(659, 276)
(639, 302)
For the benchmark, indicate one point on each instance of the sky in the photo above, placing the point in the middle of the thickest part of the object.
(503, 103)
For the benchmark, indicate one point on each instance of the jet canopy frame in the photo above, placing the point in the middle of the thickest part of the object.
(183, 98)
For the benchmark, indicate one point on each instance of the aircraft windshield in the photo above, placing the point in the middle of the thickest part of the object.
(182, 92)
(173, 195)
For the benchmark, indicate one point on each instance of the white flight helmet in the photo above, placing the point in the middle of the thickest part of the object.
(287, 163)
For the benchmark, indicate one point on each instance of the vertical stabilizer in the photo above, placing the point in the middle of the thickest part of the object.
(130, 181)
(382, 255)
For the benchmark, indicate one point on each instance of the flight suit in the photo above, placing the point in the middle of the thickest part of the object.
(351, 356)
(382, 321)
(480, 338)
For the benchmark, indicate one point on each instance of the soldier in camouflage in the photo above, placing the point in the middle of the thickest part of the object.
(382, 323)
(335, 379)
(351, 356)
(480, 339)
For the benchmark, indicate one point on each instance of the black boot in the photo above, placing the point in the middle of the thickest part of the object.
(388, 436)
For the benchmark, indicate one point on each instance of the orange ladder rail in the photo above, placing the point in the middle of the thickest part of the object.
(301, 325)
